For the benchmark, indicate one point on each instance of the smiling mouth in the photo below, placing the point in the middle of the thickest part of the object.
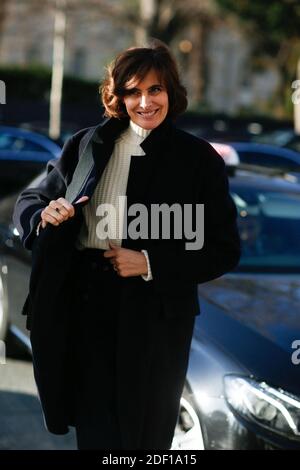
(148, 113)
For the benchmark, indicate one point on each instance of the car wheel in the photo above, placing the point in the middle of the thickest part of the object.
(3, 312)
(188, 432)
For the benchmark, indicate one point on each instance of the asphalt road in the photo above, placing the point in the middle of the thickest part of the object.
(21, 420)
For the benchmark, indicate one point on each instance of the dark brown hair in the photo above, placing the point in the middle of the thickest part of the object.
(135, 63)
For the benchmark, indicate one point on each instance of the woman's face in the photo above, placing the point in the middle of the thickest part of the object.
(147, 101)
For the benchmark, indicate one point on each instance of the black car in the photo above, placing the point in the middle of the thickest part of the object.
(286, 138)
(243, 382)
(23, 155)
(268, 156)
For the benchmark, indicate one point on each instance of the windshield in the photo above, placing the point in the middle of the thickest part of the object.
(280, 137)
(269, 227)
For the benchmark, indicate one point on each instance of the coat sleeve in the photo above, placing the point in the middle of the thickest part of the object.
(172, 263)
(31, 202)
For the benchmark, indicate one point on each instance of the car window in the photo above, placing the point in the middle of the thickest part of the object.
(6, 142)
(269, 227)
(270, 161)
(280, 137)
(28, 145)
(16, 144)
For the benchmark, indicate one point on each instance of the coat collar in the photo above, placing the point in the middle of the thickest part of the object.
(111, 128)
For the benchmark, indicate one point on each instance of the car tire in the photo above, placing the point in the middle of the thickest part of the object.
(188, 432)
(3, 312)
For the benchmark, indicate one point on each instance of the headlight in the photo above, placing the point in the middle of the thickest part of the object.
(272, 408)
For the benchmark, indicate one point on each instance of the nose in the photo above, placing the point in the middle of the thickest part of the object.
(144, 101)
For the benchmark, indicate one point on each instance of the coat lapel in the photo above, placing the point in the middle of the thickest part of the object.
(142, 167)
(99, 146)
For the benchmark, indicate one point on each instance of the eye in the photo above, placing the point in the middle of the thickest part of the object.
(156, 89)
(133, 92)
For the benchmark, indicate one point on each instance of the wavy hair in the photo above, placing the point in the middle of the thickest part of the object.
(133, 64)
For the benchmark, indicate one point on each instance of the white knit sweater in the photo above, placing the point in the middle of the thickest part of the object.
(112, 185)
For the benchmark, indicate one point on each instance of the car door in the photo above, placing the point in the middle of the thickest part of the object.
(21, 159)
(15, 265)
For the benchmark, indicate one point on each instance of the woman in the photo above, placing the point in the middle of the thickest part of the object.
(113, 296)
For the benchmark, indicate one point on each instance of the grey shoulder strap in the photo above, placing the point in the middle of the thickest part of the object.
(84, 166)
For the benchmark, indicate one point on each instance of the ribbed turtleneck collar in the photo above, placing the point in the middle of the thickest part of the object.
(139, 130)
(134, 134)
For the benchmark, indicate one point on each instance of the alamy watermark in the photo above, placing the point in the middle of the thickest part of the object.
(296, 354)
(2, 352)
(164, 221)
(296, 93)
(2, 92)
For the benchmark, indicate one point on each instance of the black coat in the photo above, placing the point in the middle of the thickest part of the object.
(177, 168)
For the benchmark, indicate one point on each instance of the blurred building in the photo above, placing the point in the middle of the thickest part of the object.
(226, 81)
(232, 83)
(92, 39)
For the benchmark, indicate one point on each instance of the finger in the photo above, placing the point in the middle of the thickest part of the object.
(66, 215)
(67, 206)
(82, 199)
(69, 210)
(53, 212)
(63, 211)
(60, 209)
(112, 246)
(109, 254)
(64, 202)
(50, 219)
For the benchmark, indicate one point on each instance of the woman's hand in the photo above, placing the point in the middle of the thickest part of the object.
(127, 262)
(58, 211)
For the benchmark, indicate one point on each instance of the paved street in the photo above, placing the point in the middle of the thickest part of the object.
(21, 420)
